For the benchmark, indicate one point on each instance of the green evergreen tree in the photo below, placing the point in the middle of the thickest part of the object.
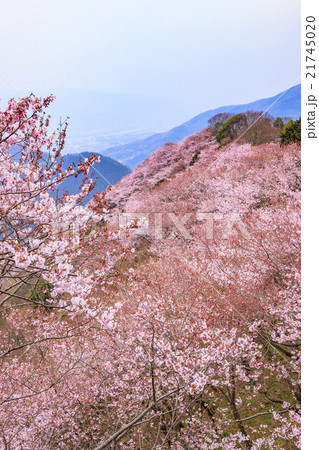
(291, 132)
(232, 127)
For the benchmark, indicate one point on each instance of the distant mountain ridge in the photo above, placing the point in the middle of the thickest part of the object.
(284, 104)
(107, 171)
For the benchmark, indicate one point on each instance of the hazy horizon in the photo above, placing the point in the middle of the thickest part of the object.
(203, 54)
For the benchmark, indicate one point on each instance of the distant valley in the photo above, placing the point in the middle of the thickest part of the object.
(98, 120)
(119, 127)
(286, 104)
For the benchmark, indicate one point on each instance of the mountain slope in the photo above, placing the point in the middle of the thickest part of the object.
(107, 171)
(282, 104)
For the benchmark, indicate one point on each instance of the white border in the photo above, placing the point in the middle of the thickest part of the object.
(310, 244)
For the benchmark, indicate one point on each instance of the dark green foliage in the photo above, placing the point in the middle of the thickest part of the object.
(194, 158)
(162, 180)
(254, 127)
(217, 121)
(291, 132)
(232, 127)
(40, 293)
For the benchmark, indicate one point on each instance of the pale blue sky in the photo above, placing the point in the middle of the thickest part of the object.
(205, 53)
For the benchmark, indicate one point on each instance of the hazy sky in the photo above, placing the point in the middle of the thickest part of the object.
(206, 53)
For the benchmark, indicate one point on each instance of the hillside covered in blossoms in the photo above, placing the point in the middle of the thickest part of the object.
(163, 314)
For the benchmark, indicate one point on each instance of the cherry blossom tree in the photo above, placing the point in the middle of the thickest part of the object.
(40, 230)
(171, 343)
